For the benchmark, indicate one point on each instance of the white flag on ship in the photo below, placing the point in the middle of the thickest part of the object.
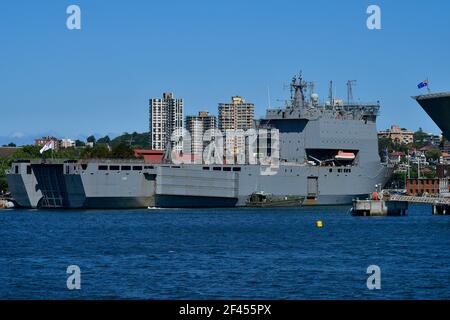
(47, 146)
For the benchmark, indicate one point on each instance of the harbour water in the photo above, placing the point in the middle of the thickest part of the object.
(223, 254)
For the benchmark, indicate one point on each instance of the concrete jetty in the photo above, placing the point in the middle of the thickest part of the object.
(373, 207)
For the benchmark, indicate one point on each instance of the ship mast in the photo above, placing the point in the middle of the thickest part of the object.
(350, 84)
(297, 94)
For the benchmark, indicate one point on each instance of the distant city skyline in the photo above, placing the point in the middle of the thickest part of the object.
(98, 80)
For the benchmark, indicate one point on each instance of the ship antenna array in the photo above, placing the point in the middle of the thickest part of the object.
(297, 94)
(350, 84)
(311, 87)
(330, 93)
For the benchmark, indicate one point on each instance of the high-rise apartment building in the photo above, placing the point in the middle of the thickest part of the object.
(166, 116)
(197, 126)
(234, 119)
(236, 115)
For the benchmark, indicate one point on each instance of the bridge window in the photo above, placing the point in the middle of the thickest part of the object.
(217, 168)
(237, 169)
(126, 168)
(226, 169)
(205, 168)
(137, 168)
(103, 168)
(116, 168)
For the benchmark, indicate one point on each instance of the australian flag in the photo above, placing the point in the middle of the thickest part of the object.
(423, 84)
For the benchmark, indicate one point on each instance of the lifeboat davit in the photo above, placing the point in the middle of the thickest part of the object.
(345, 156)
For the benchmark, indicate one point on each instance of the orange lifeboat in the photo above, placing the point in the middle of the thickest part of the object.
(345, 156)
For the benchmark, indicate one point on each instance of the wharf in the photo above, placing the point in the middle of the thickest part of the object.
(440, 205)
(397, 205)
(379, 208)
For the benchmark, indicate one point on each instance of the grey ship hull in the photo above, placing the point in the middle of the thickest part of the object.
(185, 186)
(437, 106)
(192, 186)
(71, 185)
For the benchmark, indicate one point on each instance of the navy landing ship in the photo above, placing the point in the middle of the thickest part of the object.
(327, 155)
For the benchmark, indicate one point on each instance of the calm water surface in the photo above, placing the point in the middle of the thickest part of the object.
(223, 254)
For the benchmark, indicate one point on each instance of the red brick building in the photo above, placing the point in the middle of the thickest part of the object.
(416, 187)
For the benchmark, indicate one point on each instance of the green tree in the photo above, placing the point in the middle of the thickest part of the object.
(99, 151)
(136, 140)
(433, 154)
(122, 151)
(397, 180)
(11, 145)
(79, 143)
(91, 138)
(383, 144)
(420, 139)
(104, 140)
(5, 164)
(27, 152)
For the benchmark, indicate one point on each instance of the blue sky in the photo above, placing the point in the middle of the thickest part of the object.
(72, 83)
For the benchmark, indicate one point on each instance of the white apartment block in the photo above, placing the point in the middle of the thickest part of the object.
(67, 143)
(197, 126)
(166, 116)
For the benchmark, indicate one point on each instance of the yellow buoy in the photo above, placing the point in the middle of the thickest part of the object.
(319, 224)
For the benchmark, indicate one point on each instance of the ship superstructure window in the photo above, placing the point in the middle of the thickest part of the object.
(237, 169)
(205, 168)
(226, 169)
(149, 167)
(217, 168)
(116, 168)
(28, 169)
(16, 169)
(137, 168)
(102, 168)
(126, 168)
